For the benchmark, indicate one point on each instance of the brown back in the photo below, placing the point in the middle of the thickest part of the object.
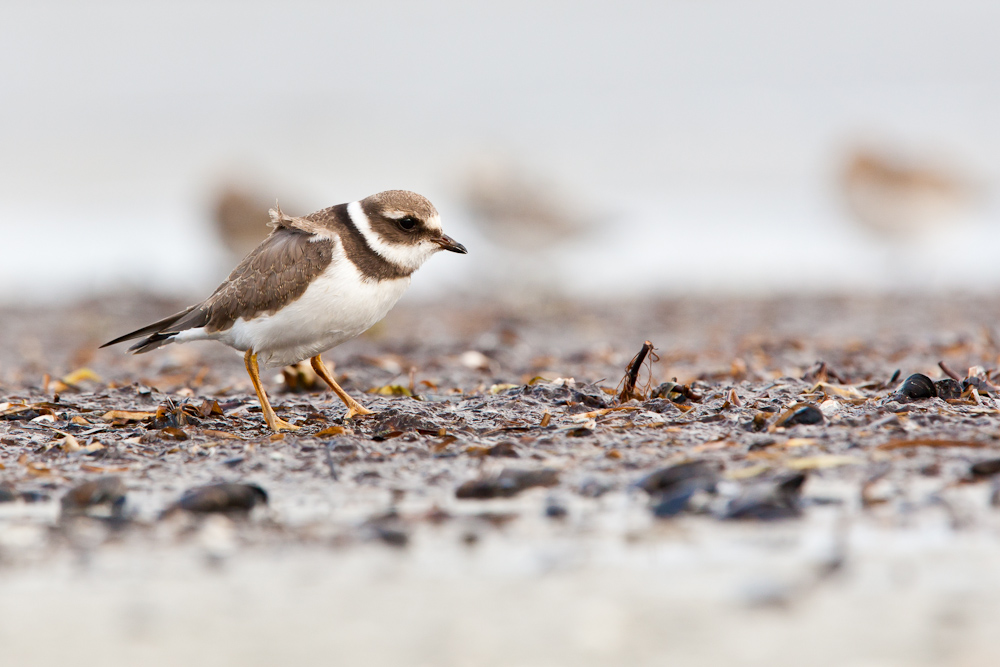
(277, 272)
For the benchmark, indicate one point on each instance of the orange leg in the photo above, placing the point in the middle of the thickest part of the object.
(274, 422)
(353, 407)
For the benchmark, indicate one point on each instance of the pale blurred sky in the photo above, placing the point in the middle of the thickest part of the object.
(712, 129)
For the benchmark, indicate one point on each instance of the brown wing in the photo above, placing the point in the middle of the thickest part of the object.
(277, 272)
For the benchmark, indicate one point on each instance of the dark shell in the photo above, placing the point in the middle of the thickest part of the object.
(222, 498)
(917, 387)
(671, 488)
(555, 511)
(509, 482)
(700, 473)
(948, 388)
(985, 468)
(804, 413)
(777, 498)
(108, 490)
(394, 537)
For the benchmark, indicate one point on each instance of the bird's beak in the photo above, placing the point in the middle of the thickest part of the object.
(448, 243)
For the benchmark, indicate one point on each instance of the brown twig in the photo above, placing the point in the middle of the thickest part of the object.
(632, 372)
(950, 373)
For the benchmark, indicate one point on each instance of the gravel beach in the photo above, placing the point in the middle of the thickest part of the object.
(803, 480)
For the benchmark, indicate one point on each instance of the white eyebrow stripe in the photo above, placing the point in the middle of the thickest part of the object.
(433, 222)
(402, 255)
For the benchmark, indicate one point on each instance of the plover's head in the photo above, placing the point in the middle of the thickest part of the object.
(401, 226)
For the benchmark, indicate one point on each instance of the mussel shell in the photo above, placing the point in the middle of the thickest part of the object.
(770, 499)
(917, 387)
(671, 488)
(222, 498)
(702, 474)
(804, 413)
(948, 388)
(508, 483)
(986, 468)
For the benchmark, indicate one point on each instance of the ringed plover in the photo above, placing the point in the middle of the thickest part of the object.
(313, 283)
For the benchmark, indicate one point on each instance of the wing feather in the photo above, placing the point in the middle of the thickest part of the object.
(276, 273)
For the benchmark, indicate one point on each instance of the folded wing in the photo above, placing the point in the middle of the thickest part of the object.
(276, 273)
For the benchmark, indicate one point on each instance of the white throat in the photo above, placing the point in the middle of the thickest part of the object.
(405, 256)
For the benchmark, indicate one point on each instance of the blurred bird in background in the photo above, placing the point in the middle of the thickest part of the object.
(241, 217)
(528, 218)
(521, 210)
(899, 197)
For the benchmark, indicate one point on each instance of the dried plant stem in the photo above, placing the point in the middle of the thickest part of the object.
(632, 371)
(950, 373)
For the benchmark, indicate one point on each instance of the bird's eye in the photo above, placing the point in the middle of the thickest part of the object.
(408, 223)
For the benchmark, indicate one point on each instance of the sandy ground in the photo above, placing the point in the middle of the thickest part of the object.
(865, 537)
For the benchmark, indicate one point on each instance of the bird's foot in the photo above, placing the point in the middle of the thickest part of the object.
(277, 424)
(357, 410)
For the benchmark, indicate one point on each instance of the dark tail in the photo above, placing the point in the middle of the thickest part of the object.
(153, 332)
(152, 342)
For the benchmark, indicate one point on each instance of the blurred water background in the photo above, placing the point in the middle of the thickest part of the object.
(588, 149)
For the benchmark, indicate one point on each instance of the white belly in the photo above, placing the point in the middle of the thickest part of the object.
(336, 307)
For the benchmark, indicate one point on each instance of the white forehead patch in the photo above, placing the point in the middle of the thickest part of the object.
(406, 255)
